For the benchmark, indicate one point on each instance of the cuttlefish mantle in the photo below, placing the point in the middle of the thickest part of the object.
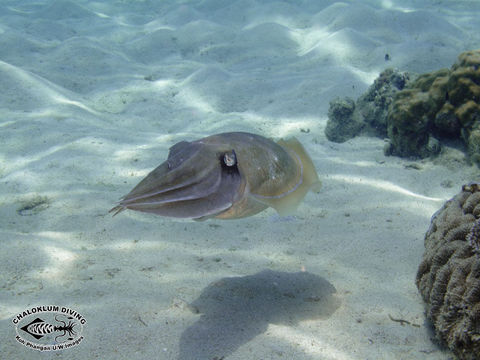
(226, 176)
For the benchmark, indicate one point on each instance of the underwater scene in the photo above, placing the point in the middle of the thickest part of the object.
(243, 179)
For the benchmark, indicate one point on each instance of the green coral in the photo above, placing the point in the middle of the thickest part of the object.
(441, 104)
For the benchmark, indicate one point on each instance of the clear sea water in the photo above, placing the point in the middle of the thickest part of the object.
(94, 93)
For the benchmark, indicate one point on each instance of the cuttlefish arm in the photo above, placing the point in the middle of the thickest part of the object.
(228, 175)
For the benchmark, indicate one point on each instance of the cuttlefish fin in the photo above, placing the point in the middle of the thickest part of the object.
(116, 210)
(288, 203)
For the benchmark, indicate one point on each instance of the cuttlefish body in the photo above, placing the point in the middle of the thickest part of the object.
(226, 176)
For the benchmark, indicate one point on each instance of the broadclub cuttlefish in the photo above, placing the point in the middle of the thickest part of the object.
(226, 176)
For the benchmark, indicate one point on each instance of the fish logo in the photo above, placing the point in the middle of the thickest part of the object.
(39, 328)
(49, 328)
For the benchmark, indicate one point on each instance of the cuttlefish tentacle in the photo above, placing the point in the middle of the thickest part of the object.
(228, 175)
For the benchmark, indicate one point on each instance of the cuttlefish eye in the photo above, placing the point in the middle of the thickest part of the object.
(229, 158)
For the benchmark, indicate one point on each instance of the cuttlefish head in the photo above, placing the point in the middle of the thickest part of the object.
(198, 180)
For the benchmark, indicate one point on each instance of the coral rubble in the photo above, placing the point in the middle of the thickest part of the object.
(448, 277)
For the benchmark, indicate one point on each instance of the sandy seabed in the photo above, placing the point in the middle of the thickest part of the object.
(94, 94)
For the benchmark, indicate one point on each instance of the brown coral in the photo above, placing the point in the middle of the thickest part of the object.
(449, 275)
(444, 103)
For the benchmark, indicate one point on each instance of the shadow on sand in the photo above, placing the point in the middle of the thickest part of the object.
(235, 310)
